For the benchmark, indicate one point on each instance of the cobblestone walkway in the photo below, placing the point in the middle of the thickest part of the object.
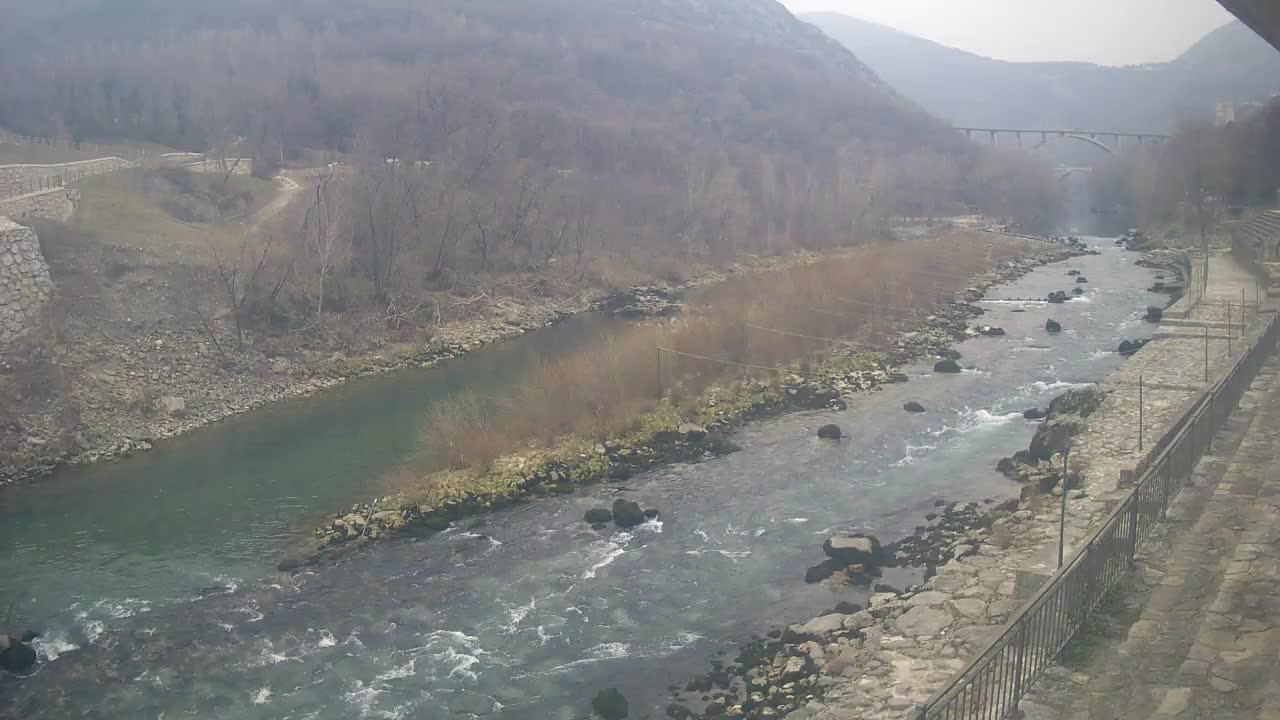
(1200, 637)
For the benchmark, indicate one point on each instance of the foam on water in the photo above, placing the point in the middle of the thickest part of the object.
(1041, 387)
(914, 453)
(51, 645)
(402, 671)
(603, 555)
(607, 651)
(980, 419)
(261, 696)
(457, 652)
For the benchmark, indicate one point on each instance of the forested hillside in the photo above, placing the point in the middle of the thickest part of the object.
(532, 129)
(1231, 64)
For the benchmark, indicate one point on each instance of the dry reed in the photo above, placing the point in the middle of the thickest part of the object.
(857, 299)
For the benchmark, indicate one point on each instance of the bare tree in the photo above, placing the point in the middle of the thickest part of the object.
(327, 229)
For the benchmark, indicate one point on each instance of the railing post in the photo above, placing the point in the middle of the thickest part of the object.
(1020, 665)
(1133, 524)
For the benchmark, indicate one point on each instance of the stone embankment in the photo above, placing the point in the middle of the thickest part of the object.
(883, 661)
(24, 280)
(18, 180)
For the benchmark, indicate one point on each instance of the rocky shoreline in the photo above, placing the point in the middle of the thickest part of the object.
(666, 437)
(884, 658)
(187, 391)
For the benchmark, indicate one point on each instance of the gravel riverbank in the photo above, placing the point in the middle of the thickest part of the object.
(666, 436)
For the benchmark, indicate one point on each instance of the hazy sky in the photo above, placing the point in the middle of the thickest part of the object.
(1110, 32)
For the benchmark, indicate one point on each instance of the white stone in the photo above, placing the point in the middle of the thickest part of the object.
(924, 620)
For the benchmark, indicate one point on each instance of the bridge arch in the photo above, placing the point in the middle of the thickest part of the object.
(1083, 138)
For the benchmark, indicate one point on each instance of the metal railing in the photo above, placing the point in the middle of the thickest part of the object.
(129, 153)
(990, 686)
(60, 175)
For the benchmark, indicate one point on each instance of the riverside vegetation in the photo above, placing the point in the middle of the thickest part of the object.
(613, 410)
(455, 172)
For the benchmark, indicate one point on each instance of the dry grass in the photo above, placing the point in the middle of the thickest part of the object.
(118, 210)
(606, 389)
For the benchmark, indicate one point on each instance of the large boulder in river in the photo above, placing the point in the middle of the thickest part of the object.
(15, 655)
(830, 432)
(1057, 297)
(913, 407)
(1077, 401)
(1053, 437)
(597, 515)
(1034, 414)
(862, 550)
(990, 331)
(1154, 315)
(1082, 279)
(610, 704)
(946, 365)
(627, 513)
(1052, 326)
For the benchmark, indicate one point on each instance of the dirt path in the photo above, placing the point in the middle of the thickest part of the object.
(289, 189)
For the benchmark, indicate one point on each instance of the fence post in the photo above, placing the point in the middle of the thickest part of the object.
(1140, 418)
(658, 351)
(1133, 524)
(1020, 665)
(1206, 353)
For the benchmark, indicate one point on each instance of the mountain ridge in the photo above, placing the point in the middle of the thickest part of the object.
(1230, 64)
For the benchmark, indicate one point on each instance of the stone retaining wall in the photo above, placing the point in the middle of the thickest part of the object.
(240, 166)
(55, 204)
(25, 285)
(17, 180)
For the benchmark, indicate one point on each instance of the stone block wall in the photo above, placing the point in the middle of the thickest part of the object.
(243, 167)
(25, 286)
(18, 180)
(55, 204)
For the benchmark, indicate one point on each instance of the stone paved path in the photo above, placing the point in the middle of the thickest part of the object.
(912, 645)
(1202, 636)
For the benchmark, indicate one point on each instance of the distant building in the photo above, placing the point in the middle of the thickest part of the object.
(1234, 112)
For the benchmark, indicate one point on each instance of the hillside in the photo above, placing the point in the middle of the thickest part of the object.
(1230, 64)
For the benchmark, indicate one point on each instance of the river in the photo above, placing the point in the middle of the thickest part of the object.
(153, 576)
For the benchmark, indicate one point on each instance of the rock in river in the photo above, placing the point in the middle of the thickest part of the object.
(598, 515)
(1052, 326)
(862, 550)
(1154, 315)
(1082, 279)
(1035, 414)
(610, 704)
(913, 407)
(15, 655)
(693, 433)
(946, 365)
(991, 331)
(627, 513)
(1129, 347)
(830, 432)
